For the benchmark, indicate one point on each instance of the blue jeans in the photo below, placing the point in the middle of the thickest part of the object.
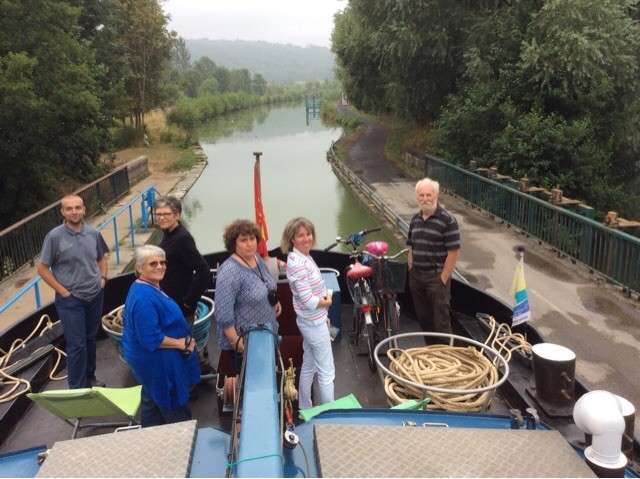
(80, 323)
(151, 414)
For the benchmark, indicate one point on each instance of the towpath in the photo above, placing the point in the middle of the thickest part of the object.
(569, 305)
(164, 181)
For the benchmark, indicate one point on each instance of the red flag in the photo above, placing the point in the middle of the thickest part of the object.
(261, 221)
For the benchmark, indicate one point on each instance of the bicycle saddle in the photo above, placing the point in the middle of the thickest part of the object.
(377, 248)
(358, 270)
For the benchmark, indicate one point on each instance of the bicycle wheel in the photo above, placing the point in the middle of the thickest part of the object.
(393, 319)
(369, 332)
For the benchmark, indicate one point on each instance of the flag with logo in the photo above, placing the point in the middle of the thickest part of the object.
(521, 310)
(261, 221)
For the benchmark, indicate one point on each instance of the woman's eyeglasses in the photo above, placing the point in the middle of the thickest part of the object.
(163, 215)
(154, 264)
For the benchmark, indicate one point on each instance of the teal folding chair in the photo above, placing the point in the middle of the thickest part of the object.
(74, 405)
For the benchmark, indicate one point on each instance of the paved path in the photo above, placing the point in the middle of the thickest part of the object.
(176, 183)
(569, 306)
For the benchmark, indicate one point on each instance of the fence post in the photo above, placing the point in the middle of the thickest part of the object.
(115, 238)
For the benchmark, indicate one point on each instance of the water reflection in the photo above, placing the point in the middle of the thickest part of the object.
(296, 178)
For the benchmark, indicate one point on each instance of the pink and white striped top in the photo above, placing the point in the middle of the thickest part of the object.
(307, 286)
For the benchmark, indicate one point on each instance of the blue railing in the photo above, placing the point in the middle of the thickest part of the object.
(610, 252)
(146, 199)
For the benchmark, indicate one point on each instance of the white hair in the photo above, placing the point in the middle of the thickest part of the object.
(429, 182)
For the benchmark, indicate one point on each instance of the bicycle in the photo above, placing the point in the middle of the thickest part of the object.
(372, 291)
(389, 278)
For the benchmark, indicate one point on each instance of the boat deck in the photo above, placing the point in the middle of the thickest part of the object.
(39, 427)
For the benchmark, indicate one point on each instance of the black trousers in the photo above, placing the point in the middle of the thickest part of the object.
(431, 298)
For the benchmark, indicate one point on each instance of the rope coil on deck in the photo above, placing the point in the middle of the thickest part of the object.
(442, 366)
(13, 382)
(503, 340)
(113, 322)
(450, 367)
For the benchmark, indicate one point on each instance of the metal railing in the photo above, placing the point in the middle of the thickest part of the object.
(21, 242)
(146, 200)
(375, 204)
(610, 252)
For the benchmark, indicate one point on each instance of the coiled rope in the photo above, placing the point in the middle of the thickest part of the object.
(445, 367)
(290, 391)
(13, 382)
(451, 367)
(503, 340)
(113, 322)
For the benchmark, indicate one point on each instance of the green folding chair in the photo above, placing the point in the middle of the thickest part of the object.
(74, 405)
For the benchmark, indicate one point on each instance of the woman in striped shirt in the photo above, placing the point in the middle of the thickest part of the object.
(311, 301)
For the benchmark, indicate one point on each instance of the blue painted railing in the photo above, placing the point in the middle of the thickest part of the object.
(146, 199)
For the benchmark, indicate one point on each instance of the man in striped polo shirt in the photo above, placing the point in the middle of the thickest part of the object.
(434, 244)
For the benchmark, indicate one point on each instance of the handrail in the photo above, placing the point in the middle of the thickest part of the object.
(401, 226)
(147, 200)
(612, 253)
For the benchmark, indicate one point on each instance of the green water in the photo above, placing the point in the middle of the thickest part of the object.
(296, 178)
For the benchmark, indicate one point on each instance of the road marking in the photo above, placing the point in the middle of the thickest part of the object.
(554, 307)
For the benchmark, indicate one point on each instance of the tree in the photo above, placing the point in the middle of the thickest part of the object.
(259, 84)
(50, 106)
(239, 81)
(148, 46)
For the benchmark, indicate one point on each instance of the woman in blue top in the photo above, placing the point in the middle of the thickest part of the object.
(245, 290)
(157, 343)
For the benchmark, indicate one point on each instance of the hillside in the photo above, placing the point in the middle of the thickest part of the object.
(276, 62)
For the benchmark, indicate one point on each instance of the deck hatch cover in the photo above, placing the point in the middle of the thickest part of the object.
(387, 451)
(161, 451)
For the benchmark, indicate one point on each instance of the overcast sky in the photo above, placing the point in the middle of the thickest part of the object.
(299, 22)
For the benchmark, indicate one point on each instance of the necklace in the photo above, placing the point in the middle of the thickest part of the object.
(258, 273)
(141, 280)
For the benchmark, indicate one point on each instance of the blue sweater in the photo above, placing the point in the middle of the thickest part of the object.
(149, 316)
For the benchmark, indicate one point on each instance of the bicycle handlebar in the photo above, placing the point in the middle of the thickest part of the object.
(353, 239)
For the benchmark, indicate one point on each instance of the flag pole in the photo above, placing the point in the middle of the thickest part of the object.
(261, 221)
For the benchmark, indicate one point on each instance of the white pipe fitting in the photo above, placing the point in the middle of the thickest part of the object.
(599, 413)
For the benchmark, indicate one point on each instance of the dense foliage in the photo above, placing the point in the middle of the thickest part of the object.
(548, 89)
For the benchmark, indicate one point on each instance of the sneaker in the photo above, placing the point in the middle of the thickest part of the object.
(94, 383)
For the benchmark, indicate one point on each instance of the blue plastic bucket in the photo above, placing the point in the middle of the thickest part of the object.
(201, 326)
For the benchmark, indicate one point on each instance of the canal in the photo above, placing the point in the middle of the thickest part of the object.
(296, 178)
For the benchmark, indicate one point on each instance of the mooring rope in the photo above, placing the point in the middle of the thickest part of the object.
(13, 382)
(503, 340)
(450, 367)
(113, 322)
(290, 391)
(445, 367)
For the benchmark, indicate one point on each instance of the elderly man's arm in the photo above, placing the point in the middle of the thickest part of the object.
(449, 264)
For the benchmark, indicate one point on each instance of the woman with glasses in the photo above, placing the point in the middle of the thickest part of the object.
(187, 275)
(245, 290)
(158, 344)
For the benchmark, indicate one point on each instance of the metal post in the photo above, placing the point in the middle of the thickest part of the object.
(133, 237)
(115, 238)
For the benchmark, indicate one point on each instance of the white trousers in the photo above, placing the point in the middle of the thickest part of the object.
(317, 358)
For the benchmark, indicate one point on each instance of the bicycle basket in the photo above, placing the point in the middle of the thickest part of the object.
(389, 276)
